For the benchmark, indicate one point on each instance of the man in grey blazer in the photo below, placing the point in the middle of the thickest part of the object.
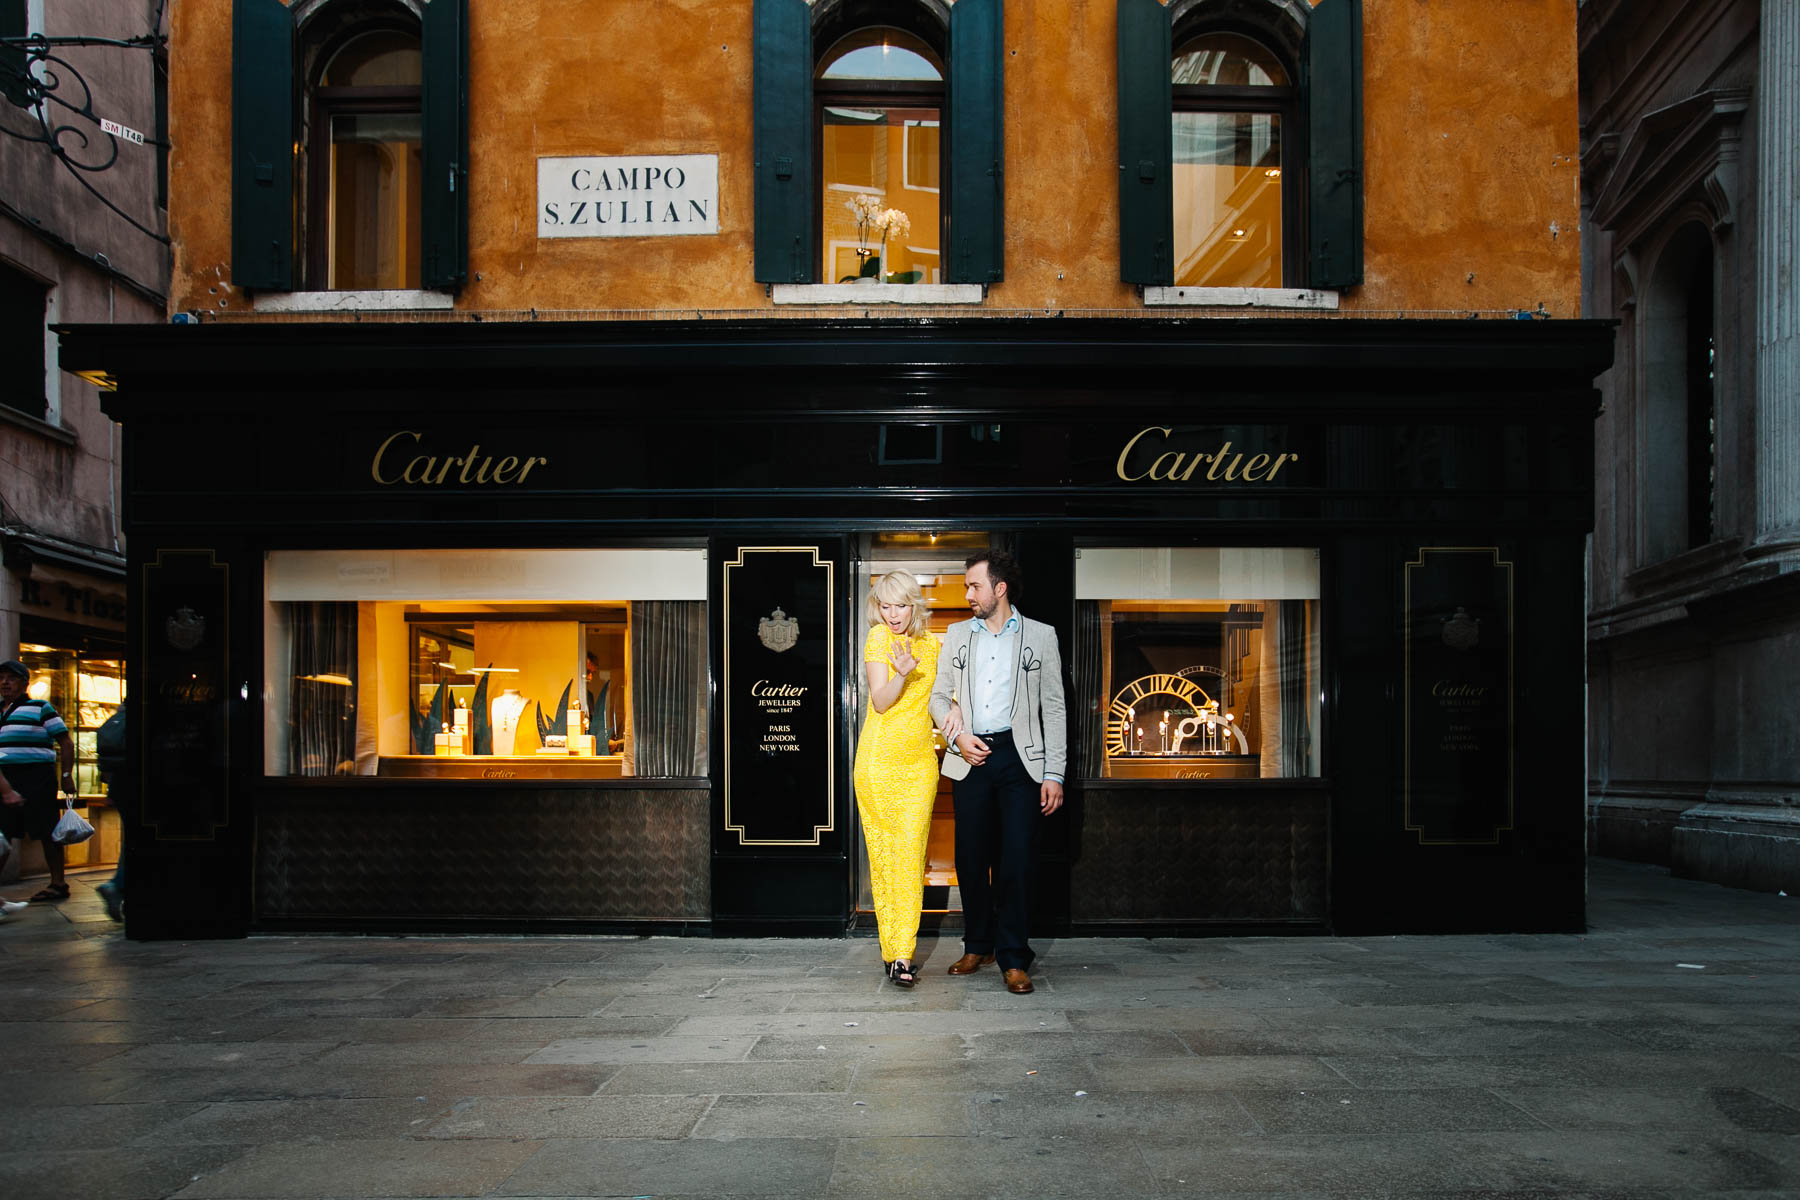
(1005, 670)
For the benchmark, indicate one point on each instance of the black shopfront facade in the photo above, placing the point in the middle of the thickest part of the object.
(545, 627)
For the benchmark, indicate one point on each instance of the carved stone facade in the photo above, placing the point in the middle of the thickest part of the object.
(1690, 178)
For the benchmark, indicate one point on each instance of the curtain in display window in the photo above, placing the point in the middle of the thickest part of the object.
(668, 688)
(322, 663)
(1088, 674)
(1286, 715)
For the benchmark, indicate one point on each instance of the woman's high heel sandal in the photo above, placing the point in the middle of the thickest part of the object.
(901, 972)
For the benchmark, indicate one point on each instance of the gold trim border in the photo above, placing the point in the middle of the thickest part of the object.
(1511, 676)
(831, 681)
(143, 732)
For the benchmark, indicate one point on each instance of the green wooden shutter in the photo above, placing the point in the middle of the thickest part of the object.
(977, 192)
(1331, 94)
(262, 145)
(444, 103)
(783, 70)
(1146, 145)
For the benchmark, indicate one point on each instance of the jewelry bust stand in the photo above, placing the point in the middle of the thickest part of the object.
(505, 712)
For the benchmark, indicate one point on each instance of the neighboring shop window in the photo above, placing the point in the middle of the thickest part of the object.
(1197, 663)
(487, 664)
(85, 690)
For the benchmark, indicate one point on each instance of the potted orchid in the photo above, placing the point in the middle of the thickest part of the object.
(875, 224)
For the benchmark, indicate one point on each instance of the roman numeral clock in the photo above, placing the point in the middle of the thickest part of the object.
(1169, 715)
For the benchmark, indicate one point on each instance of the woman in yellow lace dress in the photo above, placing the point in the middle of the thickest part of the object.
(896, 764)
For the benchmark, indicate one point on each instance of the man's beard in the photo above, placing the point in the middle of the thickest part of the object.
(993, 606)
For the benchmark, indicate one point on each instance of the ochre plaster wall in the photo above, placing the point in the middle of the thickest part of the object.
(1470, 154)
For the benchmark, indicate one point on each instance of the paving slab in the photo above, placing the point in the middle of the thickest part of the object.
(540, 1118)
(694, 1167)
(365, 1167)
(734, 1078)
(1498, 1067)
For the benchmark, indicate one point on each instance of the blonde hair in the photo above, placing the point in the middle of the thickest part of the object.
(898, 587)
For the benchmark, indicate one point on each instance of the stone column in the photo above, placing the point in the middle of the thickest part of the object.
(1778, 279)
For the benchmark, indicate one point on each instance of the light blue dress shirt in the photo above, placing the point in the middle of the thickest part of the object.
(992, 676)
(991, 679)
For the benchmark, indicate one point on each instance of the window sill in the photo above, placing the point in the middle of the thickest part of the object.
(56, 433)
(877, 293)
(1231, 297)
(299, 302)
(1689, 564)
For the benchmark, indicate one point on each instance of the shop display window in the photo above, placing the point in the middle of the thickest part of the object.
(85, 690)
(522, 665)
(1198, 663)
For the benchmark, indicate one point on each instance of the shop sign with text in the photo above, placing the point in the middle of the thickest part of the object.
(639, 196)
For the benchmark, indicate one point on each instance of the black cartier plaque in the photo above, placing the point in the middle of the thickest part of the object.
(1459, 695)
(183, 752)
(780, 756)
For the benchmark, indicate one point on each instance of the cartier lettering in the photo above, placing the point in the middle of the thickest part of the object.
(401, 459)
(1150, 455)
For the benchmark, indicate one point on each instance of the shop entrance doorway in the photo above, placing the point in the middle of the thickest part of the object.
(936, 560)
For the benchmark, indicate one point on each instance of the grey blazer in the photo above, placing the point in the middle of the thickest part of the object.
(1039, 721)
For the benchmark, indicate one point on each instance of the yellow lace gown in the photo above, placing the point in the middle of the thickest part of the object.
(896, 780)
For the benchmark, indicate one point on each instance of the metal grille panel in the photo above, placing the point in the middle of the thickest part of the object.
(520, 854)
(1163, 855)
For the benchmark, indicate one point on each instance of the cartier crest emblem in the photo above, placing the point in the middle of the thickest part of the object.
(186, 629)
(778, 631)
(1462, 632)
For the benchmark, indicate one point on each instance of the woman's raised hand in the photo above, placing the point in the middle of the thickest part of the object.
(901, 657)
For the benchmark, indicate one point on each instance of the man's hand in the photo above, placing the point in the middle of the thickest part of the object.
(953, 724)
(1050, 796)
(974, 750)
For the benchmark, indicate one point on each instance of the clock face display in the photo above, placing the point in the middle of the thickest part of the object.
(1142, 703)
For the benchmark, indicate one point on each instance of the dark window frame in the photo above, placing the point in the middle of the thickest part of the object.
(1279, 100)
(876, 94)
(25, 341)
(319, 105)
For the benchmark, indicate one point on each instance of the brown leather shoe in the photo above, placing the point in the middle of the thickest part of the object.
(968, 964)
(1017, 981)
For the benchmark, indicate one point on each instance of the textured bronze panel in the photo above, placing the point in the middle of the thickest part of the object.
(604, 854)
(1169, 855)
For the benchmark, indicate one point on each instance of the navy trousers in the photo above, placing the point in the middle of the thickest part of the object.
(997, 819)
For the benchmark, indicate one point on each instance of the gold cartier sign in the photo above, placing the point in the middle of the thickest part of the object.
(433, 470)
(1147, 456)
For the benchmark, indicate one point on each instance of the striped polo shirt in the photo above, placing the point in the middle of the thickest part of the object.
(27, 730)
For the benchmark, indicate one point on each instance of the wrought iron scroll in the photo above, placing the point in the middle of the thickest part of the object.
(36, 80)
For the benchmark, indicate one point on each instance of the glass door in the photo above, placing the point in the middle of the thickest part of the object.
(937, 561)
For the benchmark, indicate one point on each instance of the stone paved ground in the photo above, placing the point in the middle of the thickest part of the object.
(1658, 1056)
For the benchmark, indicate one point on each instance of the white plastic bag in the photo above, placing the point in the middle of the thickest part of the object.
(71, 828)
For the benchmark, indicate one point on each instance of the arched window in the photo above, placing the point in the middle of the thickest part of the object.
(362, 157)
(1240, 162)
(349, 144)
(1233, 125)
(1680, 488)
(896, 102)
(880, 98)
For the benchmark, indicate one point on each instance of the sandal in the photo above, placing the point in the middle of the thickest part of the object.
(51, 894)
(901, 972)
